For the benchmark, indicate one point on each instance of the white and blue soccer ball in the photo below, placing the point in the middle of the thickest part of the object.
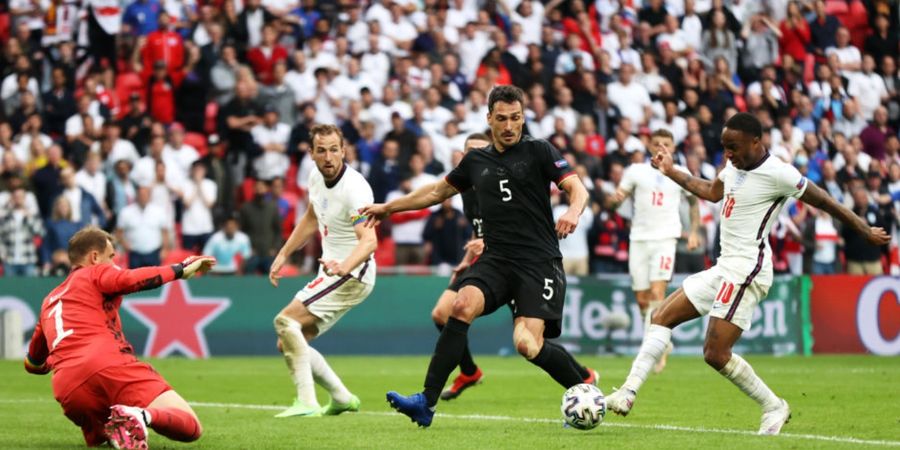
(583, 406)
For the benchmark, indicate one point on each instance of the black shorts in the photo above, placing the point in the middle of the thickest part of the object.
(530, 289)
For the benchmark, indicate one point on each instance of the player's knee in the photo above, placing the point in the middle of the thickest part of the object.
(463, 308)
(526, 344)
(716, 357)
(438, 316)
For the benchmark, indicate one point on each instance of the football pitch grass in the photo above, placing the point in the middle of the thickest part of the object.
(837, 402)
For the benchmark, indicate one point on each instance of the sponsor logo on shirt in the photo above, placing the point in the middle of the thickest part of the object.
(561, 164)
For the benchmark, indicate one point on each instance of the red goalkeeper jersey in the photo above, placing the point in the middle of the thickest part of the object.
(79, 332)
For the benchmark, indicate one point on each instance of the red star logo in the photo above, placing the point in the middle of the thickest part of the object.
(176, 320)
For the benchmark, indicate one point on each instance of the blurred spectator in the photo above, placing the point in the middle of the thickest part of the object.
(863, 258)
(271, 136)
(163, 47)
(385, 175)
(229, 246)
(59, 229)
(822, 29)
(446, 233)
(46, 180)
(198, 196)
(574, 248)
(144, 231)
(262, 223)
(238, 118)
(263, 58)
(121, 191)
(178, 153)
(407, 228)
(19, 230)
(875, 135)
(83, 206)
(141, 16)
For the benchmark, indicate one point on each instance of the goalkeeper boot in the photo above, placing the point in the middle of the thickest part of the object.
(126, 428)
(415, 407)
(774, 419)
(621, 401)
(300, 409)
(333, 408)
(461, 383)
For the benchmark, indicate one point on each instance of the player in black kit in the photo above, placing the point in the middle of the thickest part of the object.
(521, 265)
(469, 373)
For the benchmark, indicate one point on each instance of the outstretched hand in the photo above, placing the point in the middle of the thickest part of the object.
(877, 236)
(374, 214)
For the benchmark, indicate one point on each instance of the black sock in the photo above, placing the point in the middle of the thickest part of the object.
(447, 353)
(558, 364)
(582, 371)
(467, 365)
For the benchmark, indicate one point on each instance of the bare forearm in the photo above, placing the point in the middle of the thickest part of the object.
(361, 253)
(832, 207)
(697, 186)
(422, 197)
(298, 238)
(695, 215)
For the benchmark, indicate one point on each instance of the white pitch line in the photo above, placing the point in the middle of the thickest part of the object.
(812, 437)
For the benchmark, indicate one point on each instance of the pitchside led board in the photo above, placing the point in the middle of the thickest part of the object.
(233, 316)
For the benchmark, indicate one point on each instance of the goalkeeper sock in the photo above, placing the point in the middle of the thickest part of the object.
(559, 364)
(173, 423)
(297, 357)
(656, 339)
(447, 353)
(742, 375)
(326, 377)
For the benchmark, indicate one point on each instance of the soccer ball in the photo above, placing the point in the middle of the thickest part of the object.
(583, 406)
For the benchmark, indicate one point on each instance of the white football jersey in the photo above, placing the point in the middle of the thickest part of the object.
(656, 202)
(752, 202)
(337, 211)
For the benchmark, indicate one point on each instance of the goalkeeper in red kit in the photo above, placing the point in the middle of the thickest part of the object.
(101, 385)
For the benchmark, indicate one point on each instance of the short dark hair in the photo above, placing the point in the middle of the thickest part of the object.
(662, 132)
(86, 240)
(477, 137)
(325, 130)
(506, 94)
(746, 123)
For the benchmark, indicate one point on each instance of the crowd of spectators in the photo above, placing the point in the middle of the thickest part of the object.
(183, 125)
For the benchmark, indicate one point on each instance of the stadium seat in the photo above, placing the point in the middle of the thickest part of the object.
(386, 253)
(127, 83)
(176, 255)
(4, 28)
(212, 113)
(198, 141)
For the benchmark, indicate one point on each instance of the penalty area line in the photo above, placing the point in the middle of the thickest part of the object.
(662, 427)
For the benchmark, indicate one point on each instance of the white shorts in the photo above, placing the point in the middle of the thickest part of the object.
(330, 297)
(713, 292)
(650, 261)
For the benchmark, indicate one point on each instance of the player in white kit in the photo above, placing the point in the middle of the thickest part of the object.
(754, 187)
(346, 273)
(655, 228)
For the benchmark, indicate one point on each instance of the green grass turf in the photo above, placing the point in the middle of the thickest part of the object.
(688, 406)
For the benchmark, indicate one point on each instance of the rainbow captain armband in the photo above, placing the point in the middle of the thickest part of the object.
(357, 219)
(35, 368)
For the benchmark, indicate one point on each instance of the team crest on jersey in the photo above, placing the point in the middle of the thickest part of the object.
(739, 180)
(485, 172)
(501, 172)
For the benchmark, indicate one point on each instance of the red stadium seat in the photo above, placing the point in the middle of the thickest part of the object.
(4, 28)
(386, 253)
(126, 84)
(198, 141)
(212, 113)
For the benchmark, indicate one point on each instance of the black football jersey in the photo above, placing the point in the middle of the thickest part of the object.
(473, 212)
(513, 193)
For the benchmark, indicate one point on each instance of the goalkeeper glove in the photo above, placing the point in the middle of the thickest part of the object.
(34, 368)
(193, 265)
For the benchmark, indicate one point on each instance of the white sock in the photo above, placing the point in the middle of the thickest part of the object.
(648, 313)
(297, 356)
(326, 377)
(742, 375)
(656, 339)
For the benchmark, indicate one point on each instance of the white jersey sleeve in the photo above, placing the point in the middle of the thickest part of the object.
(627, 183)
(789, 181)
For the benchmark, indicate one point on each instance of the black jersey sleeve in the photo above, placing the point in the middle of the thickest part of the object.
(554, 167)
(460, 177)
